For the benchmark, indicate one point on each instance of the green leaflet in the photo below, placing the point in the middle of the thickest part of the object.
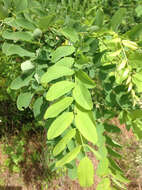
(138, 10)
(103, 151)
(135, 60)
(23, 23)
(3, 12)
(101, 139)
(135, 33)
(46, 21)
(86, 126)
(21, 81)
(59, 89)
(137, 80)
(37, 106)
(138, 76)
(82, 96)
(11, 49)
(24, 36)
(111, 128)
(135, 114)
(118, 185)
(24, 100)
(10, 21)
(59, 106)
(85, 172)
(7, 4)
(20, 5)
(60, 124)
(56, 72)
(112, 142)
(62, 51)
(113, 153)
(27, 65)
(114, 165)
(69, 157)
(99, 18)
(66, 62)
(104, 184)
(120, 177)
(117, 18)
(82, 77)
(103, 169)
(63, 142)
(137, 129)
(138, 84)
(70, 33)
(72, 172)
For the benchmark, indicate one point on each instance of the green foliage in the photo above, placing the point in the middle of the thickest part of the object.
(79, 69)
(85, 172)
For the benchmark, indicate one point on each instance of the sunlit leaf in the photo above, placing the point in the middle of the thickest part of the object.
(63, 142)
(82, 96)
(69, 157)
(60, 124)
(59, 106)
(62, 51)
(86, 126)
(85, 172)
(59, 89)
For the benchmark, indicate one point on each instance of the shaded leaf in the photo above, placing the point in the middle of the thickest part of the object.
(11, 49)
(46, 21)
(24, 36)
(113, 153)
(37, 106)
(70, 34)
(111, 128)
(24, 100)
(99, 18)
(117, 18)
(20, 5)
(21, 81)
(22, 22)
